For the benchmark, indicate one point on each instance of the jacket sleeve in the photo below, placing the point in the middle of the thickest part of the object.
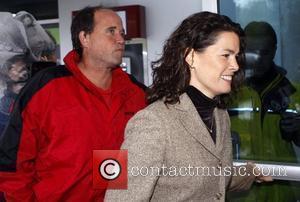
(18, 150)
(242, 181)
(145, 142)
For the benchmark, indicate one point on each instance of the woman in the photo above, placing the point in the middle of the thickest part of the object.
(179, 147)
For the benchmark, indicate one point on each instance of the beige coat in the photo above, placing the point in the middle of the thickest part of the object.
(175, 139)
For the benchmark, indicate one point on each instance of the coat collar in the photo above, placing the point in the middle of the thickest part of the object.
(191, 121)
(121, 88)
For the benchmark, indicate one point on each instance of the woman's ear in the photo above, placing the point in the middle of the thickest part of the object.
(84, 39)
(190, 58)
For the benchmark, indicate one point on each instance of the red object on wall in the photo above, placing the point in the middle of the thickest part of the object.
(135, 20)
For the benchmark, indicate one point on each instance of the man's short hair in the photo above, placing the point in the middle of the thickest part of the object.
(83, 21)
(260, 29)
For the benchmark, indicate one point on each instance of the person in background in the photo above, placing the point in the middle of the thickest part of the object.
(265, 114)
(48, 56)
(19, 62)
(38, 39)
(186, 126)
(41, 42)
(66, 112)
(15, 59)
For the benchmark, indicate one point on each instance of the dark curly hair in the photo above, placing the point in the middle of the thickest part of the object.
(83, 21)
(171, 73)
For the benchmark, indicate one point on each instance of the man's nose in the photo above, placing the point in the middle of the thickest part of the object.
(120, 39)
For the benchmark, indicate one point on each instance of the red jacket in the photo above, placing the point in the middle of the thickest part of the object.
(59, 118)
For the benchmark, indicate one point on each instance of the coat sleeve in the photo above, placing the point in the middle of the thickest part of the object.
(145, 142)
(243, 180)
(18, 150)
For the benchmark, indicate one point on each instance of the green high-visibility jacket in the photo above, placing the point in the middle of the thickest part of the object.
(255, 118)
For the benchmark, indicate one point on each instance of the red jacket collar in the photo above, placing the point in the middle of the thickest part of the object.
(120, 80)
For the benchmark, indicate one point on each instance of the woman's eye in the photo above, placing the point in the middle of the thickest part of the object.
(226, 55)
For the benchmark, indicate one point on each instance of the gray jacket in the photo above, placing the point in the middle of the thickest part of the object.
(175, 139)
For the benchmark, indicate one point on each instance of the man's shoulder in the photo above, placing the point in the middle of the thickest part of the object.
(46, 75)
(51, 73)
(40, 80)
(127, 79)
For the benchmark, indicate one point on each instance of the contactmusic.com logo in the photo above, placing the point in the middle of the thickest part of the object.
(110, 169)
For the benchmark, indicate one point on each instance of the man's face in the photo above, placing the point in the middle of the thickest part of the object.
(18, 72)
(260, 53)
(104, 47)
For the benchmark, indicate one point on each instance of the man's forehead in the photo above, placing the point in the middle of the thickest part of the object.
(262, 42)
(106, 13)
(107, 18)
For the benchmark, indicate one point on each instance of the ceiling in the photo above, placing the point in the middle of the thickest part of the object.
(40, 9)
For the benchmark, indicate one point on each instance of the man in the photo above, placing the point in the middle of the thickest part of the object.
(65, 113)
(264, 115)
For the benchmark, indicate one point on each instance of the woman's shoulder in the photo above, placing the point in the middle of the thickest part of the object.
(156, 111)
(157, 107)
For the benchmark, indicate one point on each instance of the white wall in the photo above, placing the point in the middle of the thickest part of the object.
(162, 16)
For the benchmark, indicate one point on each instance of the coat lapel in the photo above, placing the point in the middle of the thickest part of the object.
(221, 129)
(191, 121)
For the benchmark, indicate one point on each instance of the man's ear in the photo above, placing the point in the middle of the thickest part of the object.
(274, 51)
(83, 38)
(190, 57)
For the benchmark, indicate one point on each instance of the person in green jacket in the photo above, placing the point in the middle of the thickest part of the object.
(265, 118)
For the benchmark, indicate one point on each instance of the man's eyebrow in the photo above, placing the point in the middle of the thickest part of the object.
(115, 27)
(112, 27)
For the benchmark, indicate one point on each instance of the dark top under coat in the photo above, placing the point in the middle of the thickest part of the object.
(205, 107)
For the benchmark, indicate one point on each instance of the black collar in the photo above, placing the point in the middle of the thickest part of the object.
(205, 107)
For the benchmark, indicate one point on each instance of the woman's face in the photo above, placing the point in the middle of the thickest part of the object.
(212, 70)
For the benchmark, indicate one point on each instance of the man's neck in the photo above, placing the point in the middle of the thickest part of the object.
(99, 76)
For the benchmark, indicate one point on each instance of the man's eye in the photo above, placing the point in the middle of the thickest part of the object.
(112, 31)
(122, 34)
